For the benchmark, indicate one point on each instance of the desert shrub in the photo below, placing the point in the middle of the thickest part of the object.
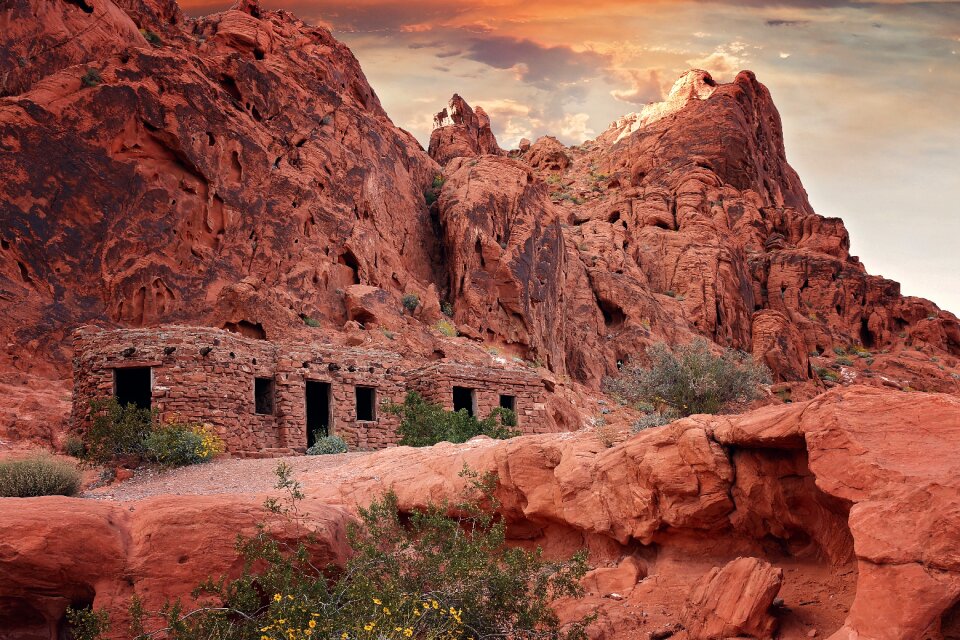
(443, 572)
(826, 374)
(310, 322)
(844, 360)
(423, 424)
(446, 308)
(38, 475)
(691, 379)
(326, 445)
(839, 350)
(116, 431)
(175, 444)
(87, 624)
(73, 446)
(91, 77)
(410, 301)
(151, 37)
(654, 419)
(446, 328)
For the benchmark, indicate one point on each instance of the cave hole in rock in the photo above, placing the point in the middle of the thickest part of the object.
(866, 336)
(508, 402)
(259, 54)
(465, 398)
(4, 244)
(614, 217)
(230, 86)
(366, 398)
(348, 259)
(211, 140)
(83, 6)
(263, 393)
(133, 385)
(613, 315)
(950, 622)
(247, 329)
(318, 410)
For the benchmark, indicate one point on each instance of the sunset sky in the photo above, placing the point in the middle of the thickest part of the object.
(869, 93)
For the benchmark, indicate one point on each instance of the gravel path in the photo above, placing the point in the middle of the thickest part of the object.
(229, 475)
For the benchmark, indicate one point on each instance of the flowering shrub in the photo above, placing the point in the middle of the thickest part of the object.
(176, 444)
(690, 378)
(119, 432)
(443, 573)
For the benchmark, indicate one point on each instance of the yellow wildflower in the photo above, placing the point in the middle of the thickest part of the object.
(408, 632)
(376, 601)
(277, 597)
(386, 610)
(436, 605)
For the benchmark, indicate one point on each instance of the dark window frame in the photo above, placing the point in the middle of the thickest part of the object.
(370, 404)
(269, 394)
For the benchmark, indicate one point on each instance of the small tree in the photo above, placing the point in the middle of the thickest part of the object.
(690, 379)
(117, 431)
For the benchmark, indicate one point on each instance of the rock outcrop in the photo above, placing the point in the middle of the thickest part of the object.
(461, 132)
(734, 601)
(858, 475)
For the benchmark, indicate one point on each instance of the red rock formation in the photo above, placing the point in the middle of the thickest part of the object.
(461, 132)
(505, 253)
(733, 601)
(657, 512)
(547, 154)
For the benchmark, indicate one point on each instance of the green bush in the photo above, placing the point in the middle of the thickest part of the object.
(91, 77)
(423, 424)
(129, 433)
(410, 302)
(176, 444)
(326, 445)
(73, 446)
(443, 572)
(844, 360)
(117, 431)
(310, 322)
(691, 379)
(39, 475)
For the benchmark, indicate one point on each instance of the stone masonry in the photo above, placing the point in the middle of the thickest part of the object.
(208, 375)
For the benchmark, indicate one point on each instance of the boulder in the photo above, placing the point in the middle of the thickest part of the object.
(733, 601)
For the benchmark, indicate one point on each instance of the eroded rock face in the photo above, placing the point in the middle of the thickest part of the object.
(197, 193)
(733, 601)
(506, 255)
(461, 132)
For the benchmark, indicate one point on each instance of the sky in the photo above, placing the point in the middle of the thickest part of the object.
(869, 92)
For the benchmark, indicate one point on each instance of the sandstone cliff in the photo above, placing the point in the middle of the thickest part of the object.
(238, 171)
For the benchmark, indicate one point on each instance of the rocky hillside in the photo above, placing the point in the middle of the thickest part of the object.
(238, 171)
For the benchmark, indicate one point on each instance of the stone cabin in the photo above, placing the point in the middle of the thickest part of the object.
(269, 398)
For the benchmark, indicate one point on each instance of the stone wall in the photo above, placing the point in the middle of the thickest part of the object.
(208, 375)
(435, 382)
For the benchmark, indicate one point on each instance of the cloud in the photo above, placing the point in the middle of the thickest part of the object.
(645, 86)
(787, 23)
(574, 127)
(537, 64)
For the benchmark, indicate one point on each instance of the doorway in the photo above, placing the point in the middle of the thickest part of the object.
(465, 398)
(132, 385)
(318, 410)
